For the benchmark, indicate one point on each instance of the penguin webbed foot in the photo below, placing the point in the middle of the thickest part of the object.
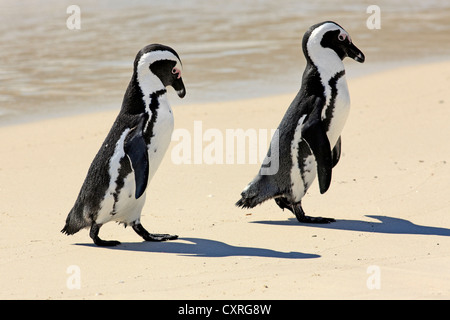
(160, 237)
(303, 218)
(308, 219)
(140, 230)
(93, 233)
(106, 243)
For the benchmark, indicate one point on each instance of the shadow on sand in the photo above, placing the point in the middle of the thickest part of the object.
(386, 225)
(197, 247)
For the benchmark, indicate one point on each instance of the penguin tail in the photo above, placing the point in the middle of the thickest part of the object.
(255, 193)
(68, 230)
(74, 223)
(245, 203)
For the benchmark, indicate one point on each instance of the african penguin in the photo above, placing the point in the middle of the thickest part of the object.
(309, 133)
(116, 182)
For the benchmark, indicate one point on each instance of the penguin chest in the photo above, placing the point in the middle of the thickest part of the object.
(335, 114)
(161, 137)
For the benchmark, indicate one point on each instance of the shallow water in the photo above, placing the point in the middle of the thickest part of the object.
(230, 50)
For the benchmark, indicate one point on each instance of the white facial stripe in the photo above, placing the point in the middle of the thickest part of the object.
(149, 82)
(326, 60)
(152, 56)
(318, 33)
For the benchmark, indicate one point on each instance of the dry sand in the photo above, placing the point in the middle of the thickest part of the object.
(389, 194)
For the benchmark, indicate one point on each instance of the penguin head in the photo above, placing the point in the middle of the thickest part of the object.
(328, 37)
(157, 65)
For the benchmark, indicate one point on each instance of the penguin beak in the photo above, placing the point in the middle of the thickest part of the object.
(178, 85)
(353, 52)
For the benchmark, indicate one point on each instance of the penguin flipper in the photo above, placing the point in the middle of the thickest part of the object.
(316, 137)
(136, 150)
(336, 153)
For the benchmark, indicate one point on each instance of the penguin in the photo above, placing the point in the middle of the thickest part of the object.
(116, 182)
(309, 135)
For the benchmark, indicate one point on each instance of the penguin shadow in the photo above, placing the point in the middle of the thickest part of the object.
(389, 225)
(198, 247)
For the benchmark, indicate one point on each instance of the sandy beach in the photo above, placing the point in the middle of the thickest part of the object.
(389, 196)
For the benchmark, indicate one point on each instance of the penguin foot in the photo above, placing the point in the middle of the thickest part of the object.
(140, 230)
(106, 243)
(308, 219)
(93, 233)
(303, 218)
(160, 237)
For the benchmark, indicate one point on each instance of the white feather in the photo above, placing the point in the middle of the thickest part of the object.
(340, 112)
(162, 133)
(297, 186)
(107, 204)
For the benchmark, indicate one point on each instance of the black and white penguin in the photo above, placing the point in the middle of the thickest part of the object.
(310, 132)
(116, 182)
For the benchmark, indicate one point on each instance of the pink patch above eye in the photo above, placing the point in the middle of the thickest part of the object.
(177, 72)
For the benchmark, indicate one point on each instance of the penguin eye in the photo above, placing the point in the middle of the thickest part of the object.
(176, 72)
(342, 37)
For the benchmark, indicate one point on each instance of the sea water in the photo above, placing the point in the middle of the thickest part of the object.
(229, 49)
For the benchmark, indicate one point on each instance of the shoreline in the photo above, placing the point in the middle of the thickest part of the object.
(353, 71)
(389, 196)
